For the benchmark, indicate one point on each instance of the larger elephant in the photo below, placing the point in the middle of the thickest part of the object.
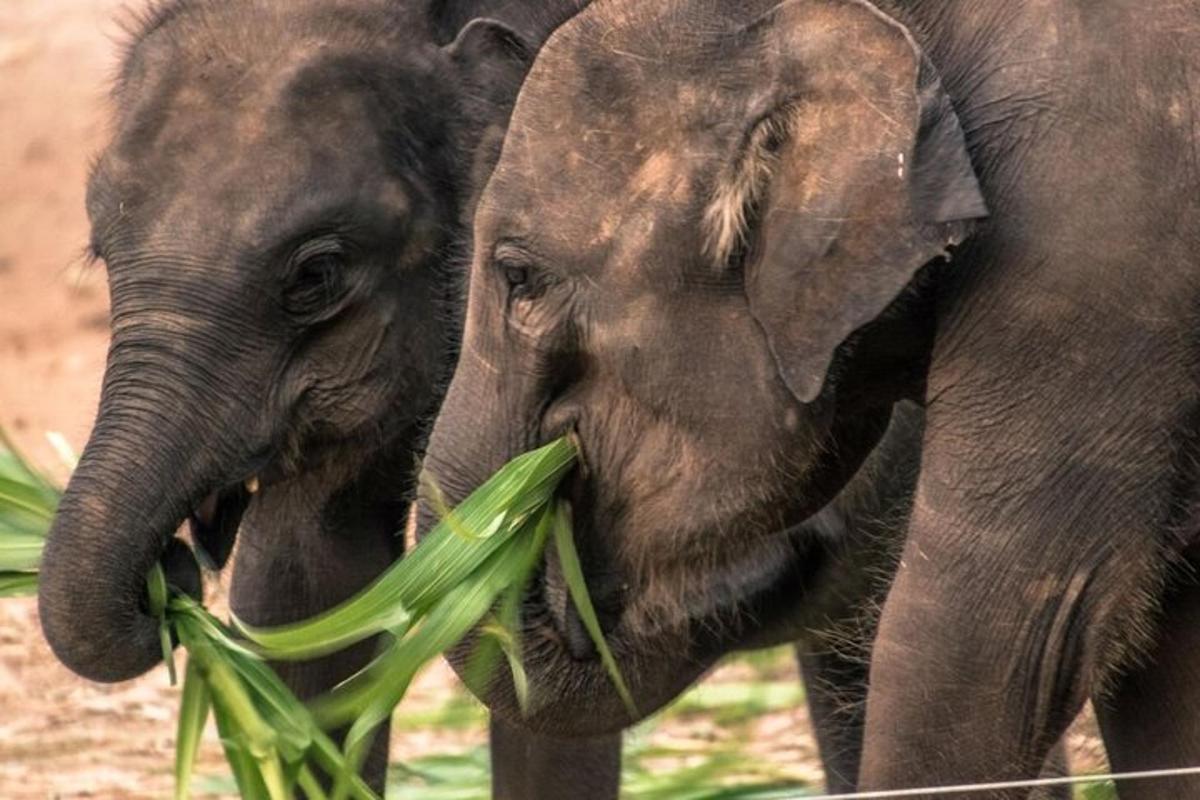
(723, 239)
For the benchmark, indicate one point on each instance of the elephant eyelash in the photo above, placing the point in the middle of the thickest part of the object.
(733, 209)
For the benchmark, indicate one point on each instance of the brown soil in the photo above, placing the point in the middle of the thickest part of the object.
(59, 736)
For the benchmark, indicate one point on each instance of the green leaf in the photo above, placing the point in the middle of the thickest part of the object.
(156, 586)
(241, 763)
(564, 543)
(194, 705)
(254, 735)
(18, 584)
(482, 551)
(17, 498)
(297, 738)
(14, 464)
(62, 448)
(309, 784)
(495, 512)
(368, 698)
(20, 552)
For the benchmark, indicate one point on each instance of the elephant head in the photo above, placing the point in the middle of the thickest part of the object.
(279, 212)
(701, 221)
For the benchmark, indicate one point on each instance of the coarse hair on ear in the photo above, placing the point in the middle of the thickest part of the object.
(855, 177)
(740, 188)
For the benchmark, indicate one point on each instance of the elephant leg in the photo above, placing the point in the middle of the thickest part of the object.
(835, 687)
(288, 572)
(1151, 716)
(1032, 563)
(527, 766)
(1057, 765)
(966, 690)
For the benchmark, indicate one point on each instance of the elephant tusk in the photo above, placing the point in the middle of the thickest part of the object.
(252, 484)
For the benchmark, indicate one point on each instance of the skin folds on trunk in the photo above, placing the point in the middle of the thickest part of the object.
(116, 520)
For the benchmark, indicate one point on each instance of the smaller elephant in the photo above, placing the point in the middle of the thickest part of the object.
(279, 212)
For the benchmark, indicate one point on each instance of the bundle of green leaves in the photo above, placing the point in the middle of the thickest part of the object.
(479, 558)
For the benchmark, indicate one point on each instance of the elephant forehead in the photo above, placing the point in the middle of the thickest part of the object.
(604, 181)
(586, 214)
(245, 177)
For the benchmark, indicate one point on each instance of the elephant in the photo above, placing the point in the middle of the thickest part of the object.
(284, 320)
(281, 211)
(723, 240)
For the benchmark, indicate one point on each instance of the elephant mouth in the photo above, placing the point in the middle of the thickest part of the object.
(606, 588)
(215, 520)
(750, 597)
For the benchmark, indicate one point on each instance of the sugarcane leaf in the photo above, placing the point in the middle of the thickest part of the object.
(437, 501)
(18, 584)
(309, 784)
(62, 448)
(21, 552)
(564, 544)
(329, 757)
(442, 561)
(16, 467)
(241, 763)
(206, 626)
(156, 584)
(194, 704)
(19, 498)
(367, 698)
(483, 550)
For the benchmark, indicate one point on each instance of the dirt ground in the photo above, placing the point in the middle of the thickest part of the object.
(61, 737)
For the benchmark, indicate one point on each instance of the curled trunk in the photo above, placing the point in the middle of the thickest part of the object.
(134, 486)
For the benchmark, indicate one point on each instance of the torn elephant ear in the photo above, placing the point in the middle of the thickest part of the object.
(863, 178)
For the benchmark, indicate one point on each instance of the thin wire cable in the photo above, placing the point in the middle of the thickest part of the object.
(968, 788)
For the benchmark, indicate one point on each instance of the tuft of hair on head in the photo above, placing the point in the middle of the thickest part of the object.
(741, 186)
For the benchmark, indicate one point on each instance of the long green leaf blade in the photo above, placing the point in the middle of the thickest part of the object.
(194, 705)
(21, 584)
(564, 543)
(20, 552)
(441, 562)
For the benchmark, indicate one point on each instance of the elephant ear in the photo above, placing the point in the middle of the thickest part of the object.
(492, 59)
(856, 177)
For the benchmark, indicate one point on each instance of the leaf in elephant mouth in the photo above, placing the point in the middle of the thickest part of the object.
(272, 741)
(483, 551)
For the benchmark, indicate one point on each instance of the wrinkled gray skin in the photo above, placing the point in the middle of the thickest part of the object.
(713, 248)
(200, 210)
(280, 212)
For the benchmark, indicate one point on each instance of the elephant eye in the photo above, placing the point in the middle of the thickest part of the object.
(317, 281)
(517, 277)
(524, 278)
(524, 281)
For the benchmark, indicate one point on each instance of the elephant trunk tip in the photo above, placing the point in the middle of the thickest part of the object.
(94, 611)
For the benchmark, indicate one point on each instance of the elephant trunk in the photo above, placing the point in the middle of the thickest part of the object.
(144, 469)
(477, 431)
